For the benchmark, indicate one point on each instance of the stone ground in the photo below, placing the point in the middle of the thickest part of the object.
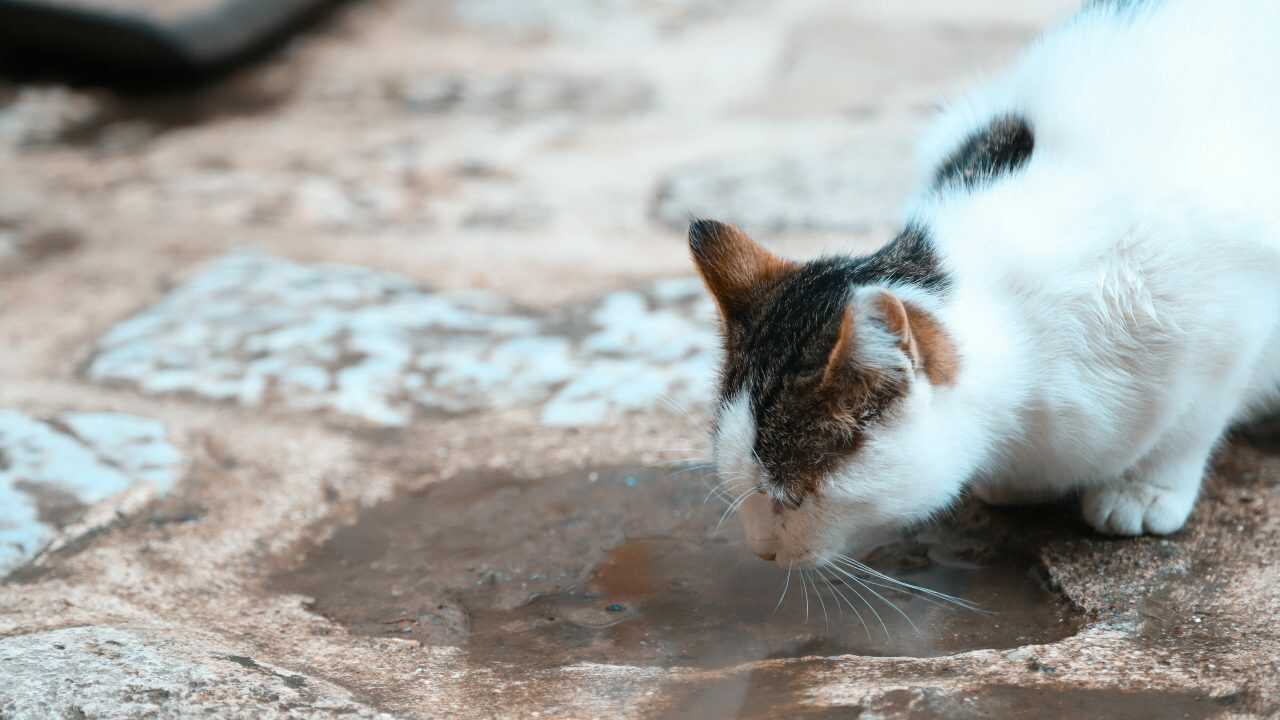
(360, 383)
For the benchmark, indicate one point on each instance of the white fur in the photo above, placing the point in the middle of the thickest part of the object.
(1116, 303)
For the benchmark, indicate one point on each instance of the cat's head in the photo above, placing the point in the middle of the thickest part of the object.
(825, 426)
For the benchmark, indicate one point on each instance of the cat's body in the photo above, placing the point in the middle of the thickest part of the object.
(1087, 296)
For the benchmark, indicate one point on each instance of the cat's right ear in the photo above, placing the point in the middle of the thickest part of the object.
(734, 268)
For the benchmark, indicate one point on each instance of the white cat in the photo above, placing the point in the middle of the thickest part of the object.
(1085, 297)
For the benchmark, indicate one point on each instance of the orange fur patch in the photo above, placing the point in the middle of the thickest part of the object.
(941, 362)
(734, 268)
(895, 318)
(842, 353)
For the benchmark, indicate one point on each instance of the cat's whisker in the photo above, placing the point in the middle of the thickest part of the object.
(703, 465)
(865, 601)
(722, 488)
(786, 586)
(910, 595)
(718, 489)
(737, 503)
(832, 587)
(724, 496)
(917, 596)
(671, 403)
(951, 599)
(826, 619)
(818, 571)
(806, 597)
(695, 458)
(891, 604)
(849, 602)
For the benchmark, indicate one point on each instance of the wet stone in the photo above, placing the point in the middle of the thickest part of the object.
(53, 469)
(262, 331)
(559, 570)
(841, 189)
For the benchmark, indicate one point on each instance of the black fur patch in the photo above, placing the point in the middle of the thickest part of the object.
(779, 352)
(997, 150)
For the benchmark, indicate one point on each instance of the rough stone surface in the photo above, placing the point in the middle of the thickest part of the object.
(777, 192)
(53, 470)
(307, 302)
(124, 672)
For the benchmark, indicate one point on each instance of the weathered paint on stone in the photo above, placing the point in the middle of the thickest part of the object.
(262, 331)
(84, 457)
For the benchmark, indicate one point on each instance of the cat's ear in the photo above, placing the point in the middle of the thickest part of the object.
(734, 268)
(919, 335)
(841, 355)
(897, 321)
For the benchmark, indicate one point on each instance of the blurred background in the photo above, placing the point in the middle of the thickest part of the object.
(273, 273)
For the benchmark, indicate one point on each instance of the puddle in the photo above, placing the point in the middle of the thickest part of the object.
(623, 566)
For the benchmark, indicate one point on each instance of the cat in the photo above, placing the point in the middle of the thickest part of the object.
(1084, 297)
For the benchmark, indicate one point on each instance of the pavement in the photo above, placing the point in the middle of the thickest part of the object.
(373, 382)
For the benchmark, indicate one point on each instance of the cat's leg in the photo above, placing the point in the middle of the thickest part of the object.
(1005, 492)
(1155, 496)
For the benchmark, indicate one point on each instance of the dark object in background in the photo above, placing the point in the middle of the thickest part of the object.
(144, 43)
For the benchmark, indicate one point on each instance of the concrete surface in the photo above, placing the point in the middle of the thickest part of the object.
(320, 385)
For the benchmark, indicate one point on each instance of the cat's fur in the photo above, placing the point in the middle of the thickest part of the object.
(1085, 297)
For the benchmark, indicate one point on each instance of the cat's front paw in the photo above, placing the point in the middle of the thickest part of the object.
(1135, 508)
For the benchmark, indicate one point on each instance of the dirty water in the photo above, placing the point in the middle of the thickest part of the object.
(624, 565)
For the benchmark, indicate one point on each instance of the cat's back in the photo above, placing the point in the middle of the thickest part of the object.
(1171, 95)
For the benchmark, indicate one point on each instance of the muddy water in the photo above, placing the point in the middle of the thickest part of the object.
(623, 565)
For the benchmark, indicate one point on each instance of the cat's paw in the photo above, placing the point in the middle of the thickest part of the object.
(1134, 508)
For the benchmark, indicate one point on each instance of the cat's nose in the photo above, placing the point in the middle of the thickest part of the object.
(758, 527)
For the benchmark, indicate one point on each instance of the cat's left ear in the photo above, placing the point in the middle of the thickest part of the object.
(894, 315)
(919, 335)
(734, 268)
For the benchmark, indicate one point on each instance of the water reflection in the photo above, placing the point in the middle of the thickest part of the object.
(621, 566)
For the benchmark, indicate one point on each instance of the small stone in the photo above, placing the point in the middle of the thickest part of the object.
(615, 608)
